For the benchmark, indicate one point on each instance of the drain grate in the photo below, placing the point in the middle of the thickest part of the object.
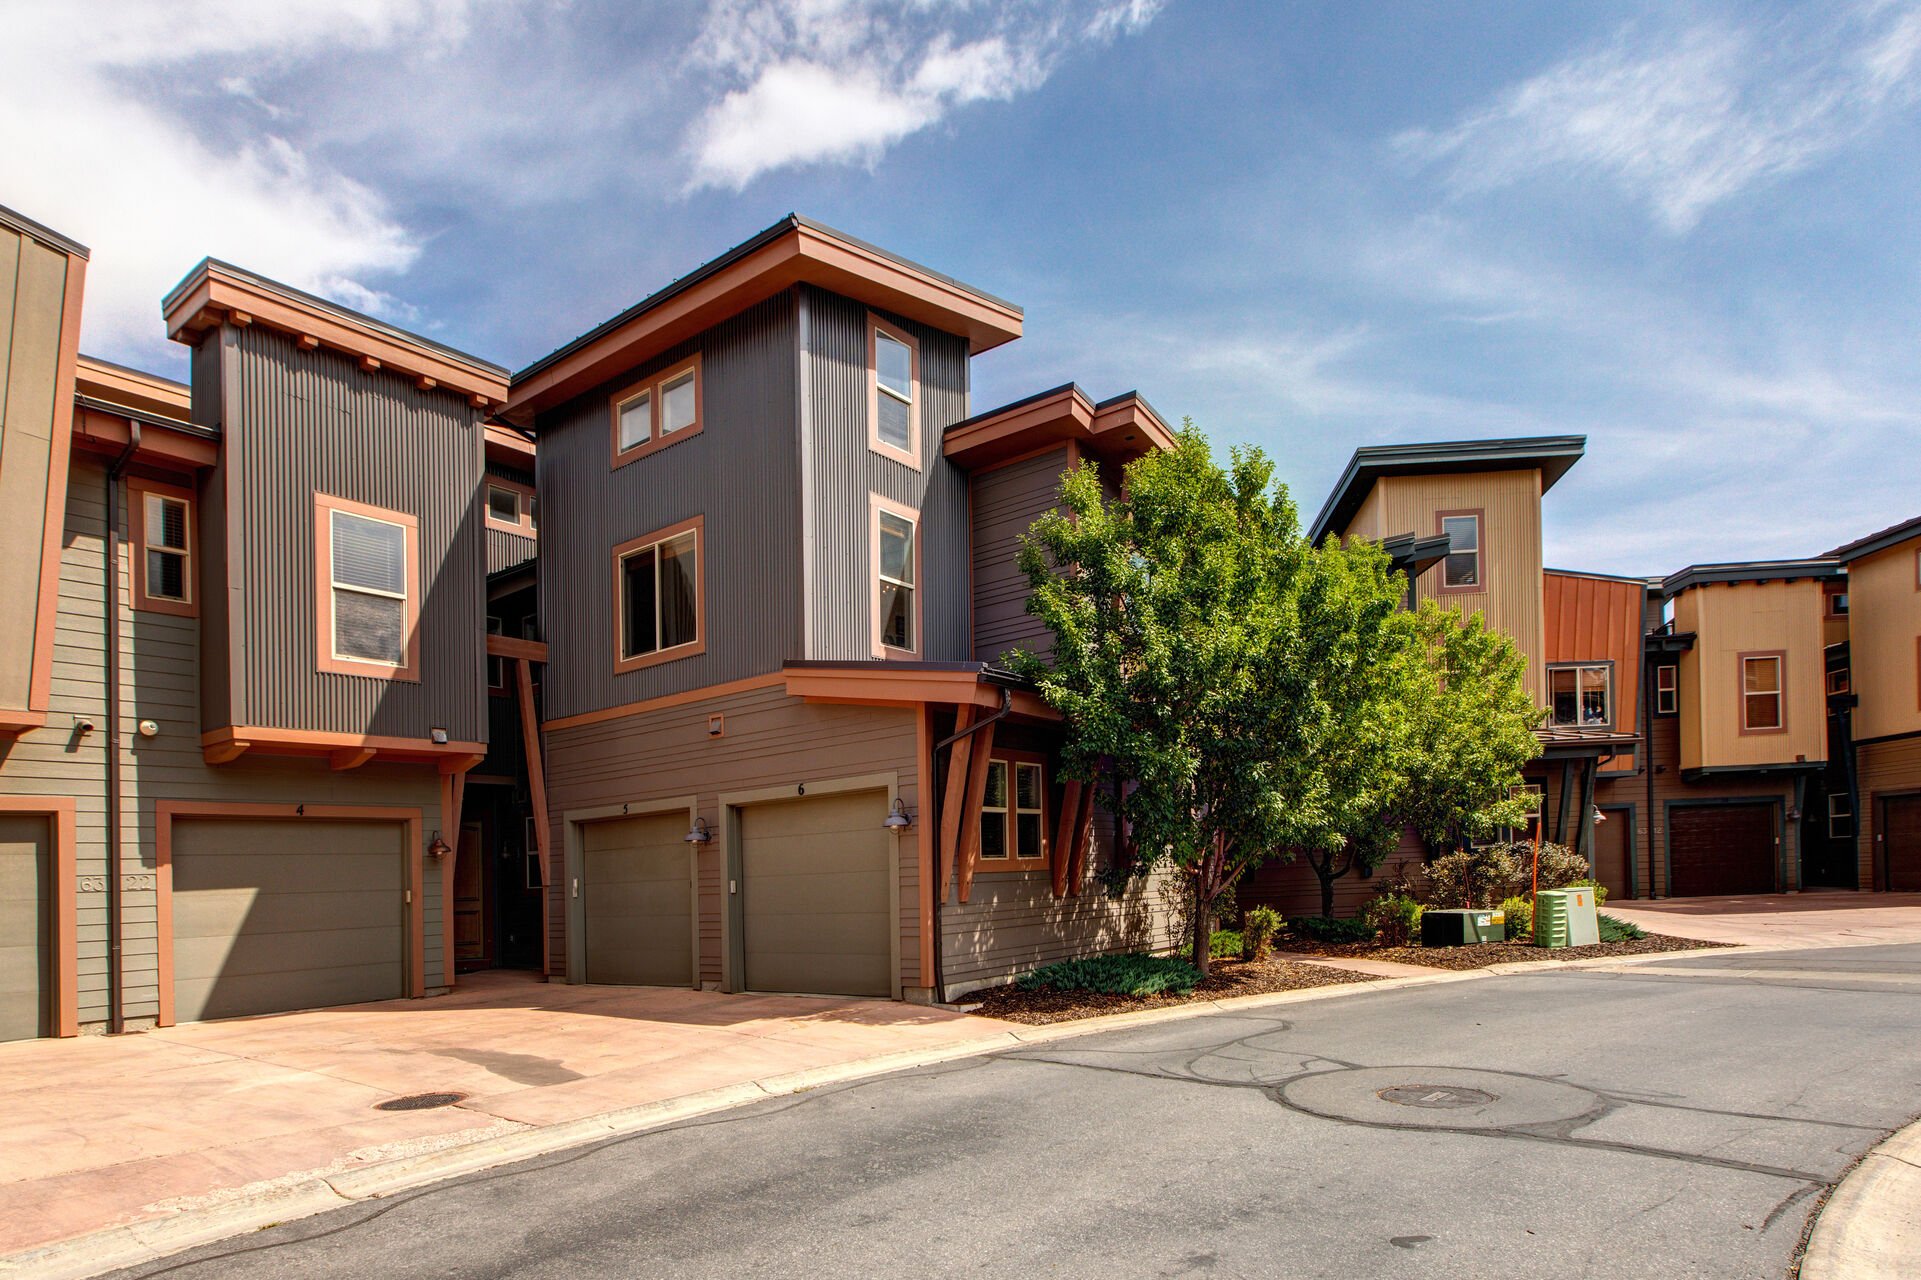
(419, 1102)
(1436, 1097)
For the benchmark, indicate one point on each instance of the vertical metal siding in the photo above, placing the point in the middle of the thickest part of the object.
(507, 550)
(1007, 501)
(310, 422)
(739, 473)
(844, 471)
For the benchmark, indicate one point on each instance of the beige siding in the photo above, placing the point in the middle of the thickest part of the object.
(1885, 769)
(159, 661)
(1884, 642)
(1729, 620)
(1006, 502)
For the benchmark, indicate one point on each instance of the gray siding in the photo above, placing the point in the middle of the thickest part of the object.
(298, 423)
(1006, 502)
(1013, 924)
(843, 471)
(740, 473)
(506, 550)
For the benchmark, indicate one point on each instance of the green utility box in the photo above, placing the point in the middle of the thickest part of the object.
(1565, 918)
(1461, 928)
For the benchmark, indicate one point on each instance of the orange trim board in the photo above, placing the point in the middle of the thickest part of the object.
(232, 741)
(167, 810)
(54, 515)
(60, 813)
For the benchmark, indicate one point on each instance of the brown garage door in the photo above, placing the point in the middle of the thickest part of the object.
(1721, 849)
(816, 904)
(637, 902)
(1901, 832)
(1612, 840)
(26, 928)
(270, 916)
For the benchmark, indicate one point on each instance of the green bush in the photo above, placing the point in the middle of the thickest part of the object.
(1561, 867)
(1395, 917)
(1615, 929)
(1134, 974)
(1257, 932)
(1600, 890)
(1478, 877)
(1328, 929)
(1224, 943)
(1520, 918)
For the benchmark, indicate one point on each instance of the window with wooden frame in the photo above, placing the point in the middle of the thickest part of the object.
(662, 410)
(1840, 816)
(1014, 815)
(1762, 708)
(1464, 567)
(496, 666)
(659, 605)
(1834, 599)
(1581, 695)
(163, 539)
(893, 392)
(894, 550)
(1837, 680)
(510, 507)
(367, 590)
(1667, 689)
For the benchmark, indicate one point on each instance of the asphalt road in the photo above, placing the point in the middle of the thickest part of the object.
(1666, 1121)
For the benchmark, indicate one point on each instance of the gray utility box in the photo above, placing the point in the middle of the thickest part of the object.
(1461, 928)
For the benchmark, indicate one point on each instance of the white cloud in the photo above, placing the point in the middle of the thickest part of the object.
(1683, 121)
(817, 81)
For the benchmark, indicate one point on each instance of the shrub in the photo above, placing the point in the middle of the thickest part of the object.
(1257, 932)
(1395, 917)
(1520, 917)
(1561, 867)
(1473, 877)
(1329, 929)
(1600, 890)
(1134, 974)
(1398, 882)
(1615, 929)
(1223, 943)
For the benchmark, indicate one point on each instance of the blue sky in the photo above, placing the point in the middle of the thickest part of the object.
(1688, 230)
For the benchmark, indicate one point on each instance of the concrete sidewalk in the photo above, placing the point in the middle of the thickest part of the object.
(98, 1132)
(1814, 918)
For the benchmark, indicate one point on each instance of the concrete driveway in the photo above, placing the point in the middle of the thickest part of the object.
(1815, 918)
(1662, 1121)
(95, 1131)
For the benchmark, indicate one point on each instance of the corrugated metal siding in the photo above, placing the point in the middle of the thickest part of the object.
(1006, 502)
(740, 473)
(506, 550)
(1592, 620)
(216, 656)
(307, 422)
(843, 471)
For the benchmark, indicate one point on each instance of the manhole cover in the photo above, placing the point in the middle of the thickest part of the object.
(1437, 1097)
(419, 1102)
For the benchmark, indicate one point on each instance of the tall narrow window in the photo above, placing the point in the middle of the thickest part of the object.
(1581, 696)
(161, 516)
(369, 568)
(896, 549)
(1028, 812)
(496, 667)
(658, 597)
(653, 414)
(994, 813)
(893, 400)
(1840, 816)
(1667, 689)
(1462, 569)
(1761, 693)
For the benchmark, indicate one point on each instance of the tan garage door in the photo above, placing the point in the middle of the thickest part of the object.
(26, 928)
(269, 916)
(816, 906)
(637, 901)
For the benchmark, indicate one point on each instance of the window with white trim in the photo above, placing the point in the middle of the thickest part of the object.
(894, 381)
(167, 527)
(659, 595)
(896, 572)
(1667, 689)
(635, 418)
(1840, 816)
(1837, 680)
(1013, 813)
(1581, 696)
(1761, 693)
(368, 568)
(1461, 570)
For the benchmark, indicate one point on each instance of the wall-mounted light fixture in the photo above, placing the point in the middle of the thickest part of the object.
(897, 818)
(700, 833)
(1599, 817)
(438, 848)
(439, 737)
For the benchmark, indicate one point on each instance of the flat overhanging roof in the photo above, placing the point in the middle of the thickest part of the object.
(1553, 455)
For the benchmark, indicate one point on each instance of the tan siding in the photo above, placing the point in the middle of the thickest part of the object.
(1884, 642)
(1006, 502)
(1885, 769)
(1729, 620)
(35, 277)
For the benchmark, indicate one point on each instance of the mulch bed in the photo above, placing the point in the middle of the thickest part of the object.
(1490, 953)
(1228, 978)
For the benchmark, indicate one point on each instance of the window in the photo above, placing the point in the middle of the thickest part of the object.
(1013, 814)
(1840, 817)
(496, 668)
(1667, 690)
(1581, 697)
(1461, 570)
(1837, 680)
(663, 410)
(510, 507)
(369, 604)
(1836, 599)
(162, 520)
(893, 392)
(657, 593)
(896, 559)
(1761, 710)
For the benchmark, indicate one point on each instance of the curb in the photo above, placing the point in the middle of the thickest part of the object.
(1870, 1228)
(273, 1204)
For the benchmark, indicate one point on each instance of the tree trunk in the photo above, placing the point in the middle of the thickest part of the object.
(1326, 875)
(1202, 943)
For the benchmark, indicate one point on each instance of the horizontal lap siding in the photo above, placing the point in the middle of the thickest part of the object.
(771, 740)
(1006, 502)
(1885, 769)
(1293, 889)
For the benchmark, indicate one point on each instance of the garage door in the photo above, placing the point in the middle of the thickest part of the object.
(637, 902)
(269, 916)
(1901, 829)
(1721, 849)
(26, 928)
(816, 909)
(1612, 839)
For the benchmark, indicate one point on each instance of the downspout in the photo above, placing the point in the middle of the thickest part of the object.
(933, 817)
(116, 1019)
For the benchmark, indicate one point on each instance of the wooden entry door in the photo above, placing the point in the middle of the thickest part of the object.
(1613, 847)
(473, 922)
(1901, 842)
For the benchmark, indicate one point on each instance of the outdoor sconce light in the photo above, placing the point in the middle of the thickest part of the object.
(437, 848)
(438, 737)
(897, 819)
(1599, 817)
(700, 834)
(1794, 814)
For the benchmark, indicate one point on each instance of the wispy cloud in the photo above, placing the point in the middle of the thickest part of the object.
(1683, 120)
(839, 81)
